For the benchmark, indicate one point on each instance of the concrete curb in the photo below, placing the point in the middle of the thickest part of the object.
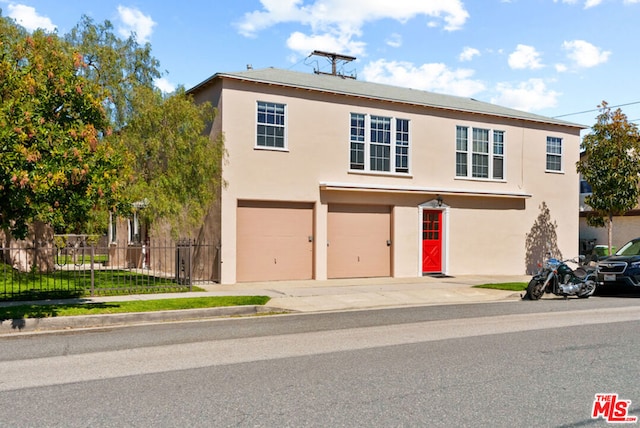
(286, 297)
(112, 320)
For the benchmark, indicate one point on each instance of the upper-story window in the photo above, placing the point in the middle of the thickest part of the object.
(271, 122)
(498, 154)
(554, 154)
(402, 145)
(379, 143)
(479, 153)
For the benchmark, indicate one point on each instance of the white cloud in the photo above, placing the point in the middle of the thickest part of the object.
(468, 53)
(164, 85)
(592, 3)
(275, 12)
(395, 40)
(561, 68)
(430, 77)
(305, 44)
(135, 22)
(350, 15)
(584, 54)
(342, 21)
(530, 95)
(525, 57)
(29, 18)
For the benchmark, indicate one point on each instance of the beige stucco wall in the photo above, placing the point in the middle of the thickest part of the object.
(485, 235)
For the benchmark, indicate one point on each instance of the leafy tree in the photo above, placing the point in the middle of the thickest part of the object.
(120, 67)
(176, 167)
(60, 161)
(55, 164)
(611, 165)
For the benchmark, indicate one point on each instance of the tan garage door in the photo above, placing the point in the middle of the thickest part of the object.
(359, 240)
(274, 241)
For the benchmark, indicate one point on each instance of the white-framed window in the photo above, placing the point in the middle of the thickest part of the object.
(134, 229)
(113, 235)
(554, 154)
(379, 143)
(498, 155)
(357, 141)
(270, 125)
(402, 145)
(483, 157)
(480, 153)
(462, 151)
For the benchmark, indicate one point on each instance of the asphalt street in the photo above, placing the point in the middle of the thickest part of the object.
(492, 364)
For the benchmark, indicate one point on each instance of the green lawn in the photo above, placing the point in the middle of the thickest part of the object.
(60, 310)
(77, 283)
(509, 286)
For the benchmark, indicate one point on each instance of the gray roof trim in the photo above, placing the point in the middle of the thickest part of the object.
(377, 91)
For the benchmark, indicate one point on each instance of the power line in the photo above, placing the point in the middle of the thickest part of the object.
(596, 109)
(302, 60)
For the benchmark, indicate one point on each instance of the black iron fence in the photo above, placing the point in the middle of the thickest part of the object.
(79, 266)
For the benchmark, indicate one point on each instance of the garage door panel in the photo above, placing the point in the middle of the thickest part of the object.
(358, 241)
(273, 242)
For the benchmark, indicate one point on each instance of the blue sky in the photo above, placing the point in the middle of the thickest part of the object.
(551, 57)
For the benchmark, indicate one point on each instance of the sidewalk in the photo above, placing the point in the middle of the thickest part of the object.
(293, 296)
(348, 294)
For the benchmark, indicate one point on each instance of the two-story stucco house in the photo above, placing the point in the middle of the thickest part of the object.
(331, 177)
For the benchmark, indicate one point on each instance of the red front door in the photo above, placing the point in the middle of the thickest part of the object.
(431, 241)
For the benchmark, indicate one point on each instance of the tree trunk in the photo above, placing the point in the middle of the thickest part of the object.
(5, 243)
(610, 233)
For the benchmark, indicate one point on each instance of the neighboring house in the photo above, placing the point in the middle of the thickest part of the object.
(330, 177)
(625, 227)
(127, 238)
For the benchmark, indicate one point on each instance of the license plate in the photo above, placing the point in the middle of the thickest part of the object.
(609, 277)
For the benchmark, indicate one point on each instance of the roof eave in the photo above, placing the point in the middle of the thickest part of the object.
(378, 98)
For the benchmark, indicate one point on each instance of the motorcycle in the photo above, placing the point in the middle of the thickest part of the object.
(557, 277)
